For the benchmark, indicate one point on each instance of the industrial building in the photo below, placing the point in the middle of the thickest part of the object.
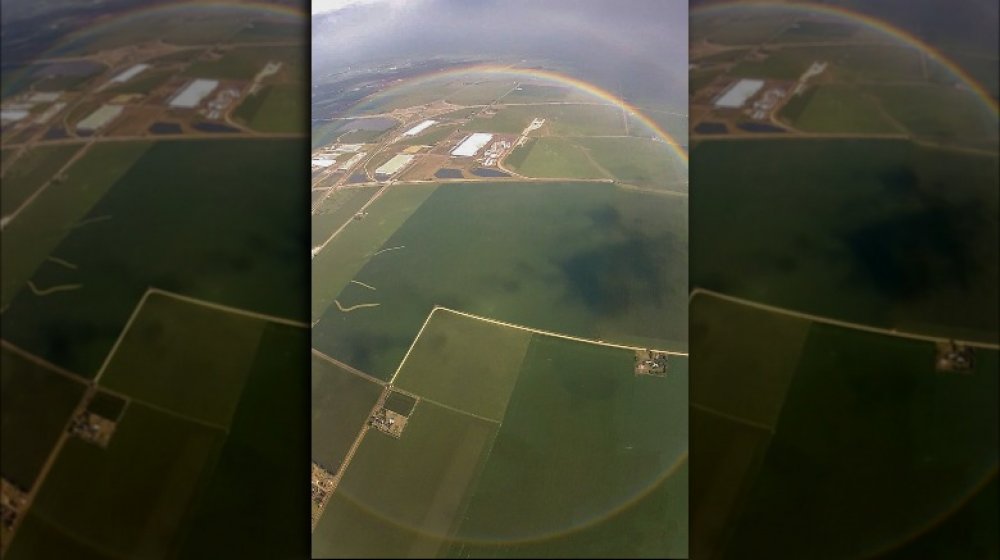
(738, 94)
(99, 118)
(472, 144)
(127, 75)
(12, 115)
(394, 165)
(193, 93)
(419, 128)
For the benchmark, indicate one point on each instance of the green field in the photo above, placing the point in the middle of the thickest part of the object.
(587, 119)
(275, 108)
(454, 352)
(640, 162)
(243, 63)
(31, 171)
(456, 484)
(336, 209)
(848, 64)
(107, 405)
(554, 157)
(37, 404)
(341, 403)
(38, 230)
(129, 500)
(335, 266)
(186, 217)
(588, 259)
(889, 240)
(404, 497)
(912, 444)
(836, 108)
(203, 380)
(481, 92)
(944, 114)
(429, 137)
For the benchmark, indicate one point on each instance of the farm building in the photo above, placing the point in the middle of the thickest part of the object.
(739, 93)
(472, 144)
(191, 95)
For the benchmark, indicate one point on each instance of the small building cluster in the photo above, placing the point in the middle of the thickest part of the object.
(494, 152)
(12, 501)
(92, 428)
(323, 484)
(650, 362)
(952, 357)
(389, 422)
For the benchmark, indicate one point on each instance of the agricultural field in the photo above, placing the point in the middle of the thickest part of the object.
(336, 209)
(885, 240)
(905, 422)
(210, 421)
(275, 108)
(555, 157)
(542, 399)
(838, 108)
(611, 266)
(29, 172)
(136, 226)
(341, 403)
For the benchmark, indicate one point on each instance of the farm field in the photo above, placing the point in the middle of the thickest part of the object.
(854, 233)
(29, 172)
(275, 108)
(341, 403)
(838, 108)
(137, 227)
(569, 266)
(559, 392)
(336, 209)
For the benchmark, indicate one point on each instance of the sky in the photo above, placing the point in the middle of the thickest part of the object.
(642, 43)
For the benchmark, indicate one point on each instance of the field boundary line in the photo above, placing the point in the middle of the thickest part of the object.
(442, 405)
(733, 417)
(230, 309)
(325, 357)
(412, 344)
(173, 413)
(555, 334)
(121, 336)
(38, 360)
(317, 250)
(840, 323)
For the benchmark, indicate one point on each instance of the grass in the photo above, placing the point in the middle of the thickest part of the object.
(186, 358)
(243, 63)
(200, 218)
(465, 363)
(943, 114)
(727, 341)
(130, 499)
(837, 108)
(429, 137)
(39, 229)
(31, 171)
(847, 64)
(560, 120)
(480, 92)
(258, 486)
(903, 237)
(554, 157)
(275, 108)
(400, 403)
(638, 161)
(341, 403)
(404, 497)
(335, 266)
(588, 259)
(907, 441)
(578, 418)
(336, 209)
(37, 403)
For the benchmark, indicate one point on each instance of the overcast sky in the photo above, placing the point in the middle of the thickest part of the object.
(634, 41)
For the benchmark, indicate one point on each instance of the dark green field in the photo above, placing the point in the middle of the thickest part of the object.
(187, 358)
(37, 403)
(336, 209)
(341, 402)
(904, 237)
(908, 442)
(186, 217)
(275, 108)
(586, 259)
(31, 171)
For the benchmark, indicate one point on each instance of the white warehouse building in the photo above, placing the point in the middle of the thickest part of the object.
(472, 144)
(739, 93)
(191, 95)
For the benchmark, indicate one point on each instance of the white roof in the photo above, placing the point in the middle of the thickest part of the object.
(129, 74)
(13, 115)
(419, 128)
(44, 96)
(100, 117)
(192, 94)
(323, 162)
(392, 166)
(471, 145)
(738, 93)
